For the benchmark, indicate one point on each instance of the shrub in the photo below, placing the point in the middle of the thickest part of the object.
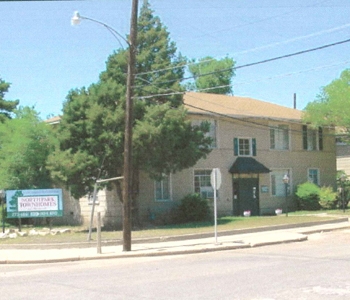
(308, 196)
(343, 188)
(312, 197)
(192, 208)
(328, 198)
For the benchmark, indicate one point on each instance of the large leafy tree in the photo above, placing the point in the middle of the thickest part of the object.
(332, 105)
(6, 106)
(212, 75)
(26, 143)
(91, 132)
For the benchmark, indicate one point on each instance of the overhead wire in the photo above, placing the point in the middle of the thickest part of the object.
(258, 62)
(246, 119)
(330, 30)
(238, 83)
(242, 66)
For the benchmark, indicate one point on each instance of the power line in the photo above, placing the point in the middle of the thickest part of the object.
(258, 62)
(249, 123)
(289, 55)
(237, 83)
(244, 120)
(255, 20)
(331, 30)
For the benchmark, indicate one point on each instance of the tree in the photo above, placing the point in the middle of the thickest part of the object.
(91, 137)
(172, 143)
(26, 143)
(91, 132)
(6, 107)
(159, 68)
(332, 105)
(212, 75)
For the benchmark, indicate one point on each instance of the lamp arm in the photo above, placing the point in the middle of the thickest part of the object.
(115, 33)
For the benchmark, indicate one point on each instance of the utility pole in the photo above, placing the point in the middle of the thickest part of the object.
(127, 184)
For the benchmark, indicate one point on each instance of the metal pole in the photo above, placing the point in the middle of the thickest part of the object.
(99, 251)
(343, 196)
(92, 211)
(128, 130)
(3, 215)
(286, 188)
(215, 210)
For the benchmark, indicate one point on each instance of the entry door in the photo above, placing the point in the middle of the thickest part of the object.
(246, 196)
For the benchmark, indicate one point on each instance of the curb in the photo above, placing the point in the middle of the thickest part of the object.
(105, 243)
(204, 248)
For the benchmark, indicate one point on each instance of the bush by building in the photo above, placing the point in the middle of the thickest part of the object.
(312, 197)
(192, 208)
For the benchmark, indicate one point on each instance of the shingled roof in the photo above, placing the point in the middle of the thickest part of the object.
(234, 106)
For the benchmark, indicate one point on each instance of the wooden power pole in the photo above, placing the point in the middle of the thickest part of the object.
(127, 184)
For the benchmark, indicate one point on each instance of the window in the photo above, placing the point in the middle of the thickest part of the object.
(90, 198)
(162, 189)
(202, 184)
(279, 137)
(312, 138)
(342, 140)
(313, 176)
(278, 187)
(212, 130)
(244, 146)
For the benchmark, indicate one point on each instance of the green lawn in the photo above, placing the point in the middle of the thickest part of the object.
(78, 234)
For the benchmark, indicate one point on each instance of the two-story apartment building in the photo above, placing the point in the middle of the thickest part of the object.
(255, 144)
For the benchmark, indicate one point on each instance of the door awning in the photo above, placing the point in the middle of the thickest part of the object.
(247, 165)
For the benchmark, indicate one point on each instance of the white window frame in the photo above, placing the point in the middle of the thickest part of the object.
(311, 178)
(90, 199)
(161, 183)
(250, 146)
(212, 130)
(312, 139)
(277, 136)
(276, 182)
(339, 141)
(206, 191)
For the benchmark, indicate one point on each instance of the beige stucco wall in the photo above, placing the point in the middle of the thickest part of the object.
(297, 160)
(108, 205)
(343, 158)
(72, 214)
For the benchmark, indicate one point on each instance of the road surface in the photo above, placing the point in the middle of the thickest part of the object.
(316, 269)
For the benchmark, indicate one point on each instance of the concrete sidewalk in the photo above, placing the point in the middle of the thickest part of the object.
(200, 245)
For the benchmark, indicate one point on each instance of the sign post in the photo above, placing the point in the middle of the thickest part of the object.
(215, 181)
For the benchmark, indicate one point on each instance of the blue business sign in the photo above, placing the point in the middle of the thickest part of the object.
(34, 203)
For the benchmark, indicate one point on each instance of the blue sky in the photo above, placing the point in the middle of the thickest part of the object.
(43, 56)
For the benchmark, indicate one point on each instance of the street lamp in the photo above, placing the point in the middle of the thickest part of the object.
(127, 184)
(342, 180)
(286, 182)
(2, 198)
(77, 18)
